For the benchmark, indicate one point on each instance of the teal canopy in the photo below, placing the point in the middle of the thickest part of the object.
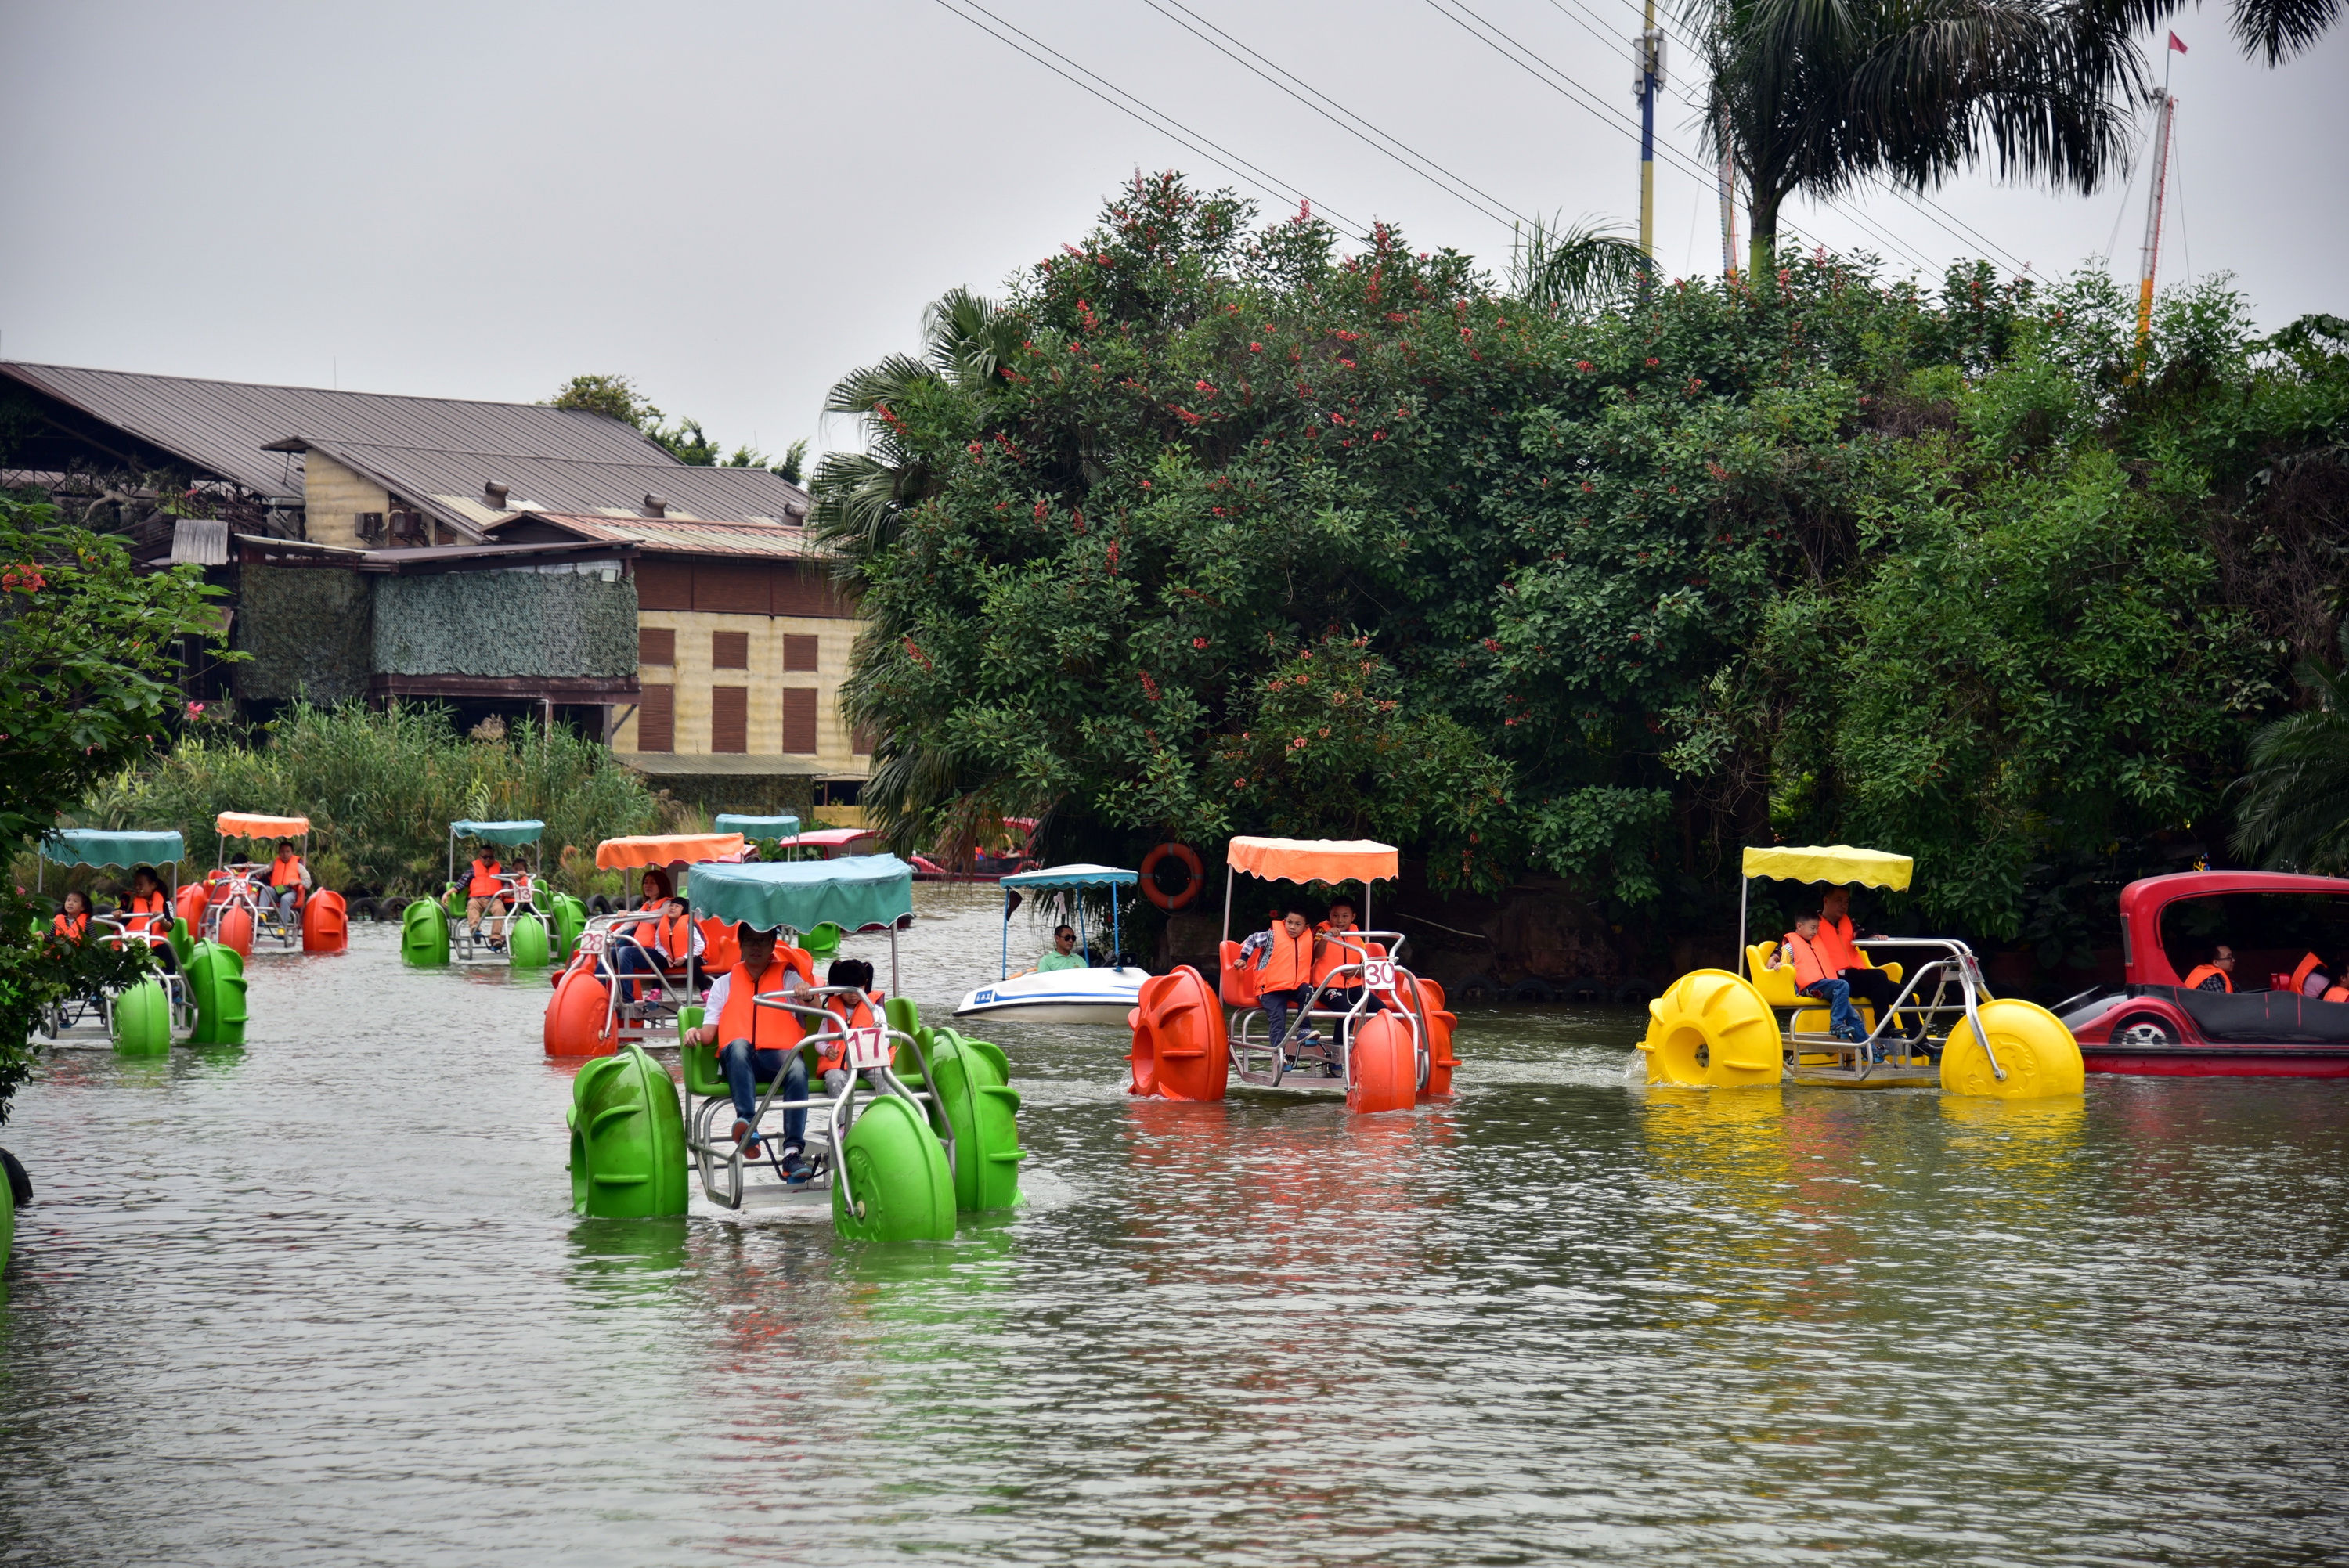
(759, 827)
(1074, 876)
(498, 832)
(860, 892)
(97, 847)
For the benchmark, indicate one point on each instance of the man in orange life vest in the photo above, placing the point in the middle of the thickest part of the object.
(1815, 976)
(1836, 939)
(2216, 976)
(761, 1042)
(485, 893)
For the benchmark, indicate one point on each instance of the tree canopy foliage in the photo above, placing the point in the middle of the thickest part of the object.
(616, 398)
(1210, 528)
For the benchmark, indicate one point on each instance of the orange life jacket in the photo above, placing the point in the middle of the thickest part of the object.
(485, 882)
(2308, 964)
(2203, 972)
(72, 927)
(1288, 963)
(1343, 947)
(1836, 942)
(144, 911)
(767, 1029)
(673, 935)
(286, 871)
(2337, 993)
(831, 1054)
(1811, 964)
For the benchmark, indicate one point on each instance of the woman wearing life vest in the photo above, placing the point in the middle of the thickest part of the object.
(1815, 976)
(146, 912)
(2218, 975)
(666, 941)
(288, 878)
(485, 893)
(1851, 967)
(757, 1042)
(73, 923)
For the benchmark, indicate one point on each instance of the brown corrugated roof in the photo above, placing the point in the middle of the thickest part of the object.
(672, 536)
(448, 485)
(225, 426)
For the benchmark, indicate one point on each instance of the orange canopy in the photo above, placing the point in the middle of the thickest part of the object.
(614, 854)
(1312, 859)
(245, 825)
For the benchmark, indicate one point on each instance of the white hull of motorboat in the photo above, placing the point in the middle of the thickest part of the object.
(1059, 996)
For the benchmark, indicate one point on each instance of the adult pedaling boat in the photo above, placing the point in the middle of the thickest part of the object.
(1757, 1027)
(631, 970)
(493, 913)
(1389, 1036)
(2266, 1016)
(1086, 993)
(907, 1128)
(268, 905)
(196, 997)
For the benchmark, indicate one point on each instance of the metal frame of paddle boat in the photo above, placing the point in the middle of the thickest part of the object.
(1186, 1045)
(1716, 1028)
(200, 1000)
(588, 1015)
(239, 912)
(899, 1153)
(1097, 994)
(523, 891)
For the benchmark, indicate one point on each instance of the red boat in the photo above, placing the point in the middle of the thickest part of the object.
(2264, 1027)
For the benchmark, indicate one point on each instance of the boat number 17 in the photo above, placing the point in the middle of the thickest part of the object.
(867, 1048)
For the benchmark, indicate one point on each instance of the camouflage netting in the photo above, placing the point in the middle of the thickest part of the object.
(506, 623)
(309, 630)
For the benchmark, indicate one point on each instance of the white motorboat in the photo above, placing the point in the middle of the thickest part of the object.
(1103, 994)
(1059, 996)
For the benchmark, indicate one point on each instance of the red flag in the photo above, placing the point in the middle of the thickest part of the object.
(2175, 44)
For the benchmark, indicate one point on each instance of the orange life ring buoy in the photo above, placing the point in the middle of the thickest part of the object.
(1152, 890)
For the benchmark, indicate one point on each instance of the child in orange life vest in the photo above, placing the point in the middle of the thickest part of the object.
(1815, 976)
(762, 1042)
(146, 910)
(667, 939)
(73, 923)
(287, 879)
(1339, 948)
(832, 1058)
(1287, 956)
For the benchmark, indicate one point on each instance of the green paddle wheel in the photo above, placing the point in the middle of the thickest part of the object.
(142, 1019)
(628, 1139)
(215, 977)
(424, 935)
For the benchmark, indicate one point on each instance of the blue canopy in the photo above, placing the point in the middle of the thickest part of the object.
(1074, 876)
(99, 846)
(759, 827)
(525, 832)
(859, 892)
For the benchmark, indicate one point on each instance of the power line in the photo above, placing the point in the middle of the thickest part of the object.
(1362, 131)
(1127, 104)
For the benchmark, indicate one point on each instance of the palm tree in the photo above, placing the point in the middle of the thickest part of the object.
(2273, 29)
(1823, 96)
(1576, 266)
(2295, 789)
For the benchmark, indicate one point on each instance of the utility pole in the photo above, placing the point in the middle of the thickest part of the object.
(2149, 252)
(1728, 202)
(1648, 54)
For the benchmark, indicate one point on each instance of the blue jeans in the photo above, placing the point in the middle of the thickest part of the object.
(744, 1067)
(1841, 1014)
(635, 959)
(1275, 1009)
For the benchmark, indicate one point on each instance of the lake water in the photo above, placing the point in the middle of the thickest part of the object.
(323, 1301)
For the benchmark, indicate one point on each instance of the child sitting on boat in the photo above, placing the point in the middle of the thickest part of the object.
(72, 922)
(288, 879)
(146, 912)
(1814, 976)
(1340, 948)
(1285, 953)
(666, 939)
(833, 1055)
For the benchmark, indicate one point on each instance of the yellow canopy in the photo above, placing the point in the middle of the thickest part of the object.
(1828, 863)
(249, 825)
(1312, 859)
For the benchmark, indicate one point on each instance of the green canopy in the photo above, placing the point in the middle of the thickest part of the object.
(860, 892)
(97, 847)
(759, 827)
(498, 832)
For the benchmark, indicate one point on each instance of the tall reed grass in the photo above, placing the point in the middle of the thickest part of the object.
(381, 788)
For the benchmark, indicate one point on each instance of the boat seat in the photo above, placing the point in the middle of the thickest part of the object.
(1236, 981)
(702, 1076)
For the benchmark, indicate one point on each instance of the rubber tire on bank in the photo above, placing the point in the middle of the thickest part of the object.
(898, 1171)
(2041, 1057)
(424, 935)
(627, 1140)
(525, 943)
(1478, 987)
(142, 1020)
(1712, 1029)
(1635, 993)
(235, 930)
(1585, 989)
(216, 984)
(1535, 990)
(1381, 1068)
(599, 904)
(19, 1180)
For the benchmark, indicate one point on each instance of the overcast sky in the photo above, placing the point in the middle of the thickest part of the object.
(735, 203)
